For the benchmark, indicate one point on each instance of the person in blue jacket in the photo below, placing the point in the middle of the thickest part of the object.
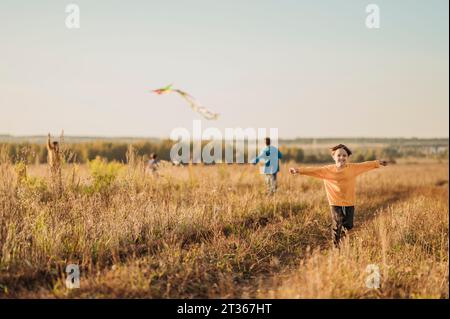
(271, 156)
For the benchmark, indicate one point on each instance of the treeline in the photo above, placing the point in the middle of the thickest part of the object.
(368, 141)
(117, 151)
(87, 151)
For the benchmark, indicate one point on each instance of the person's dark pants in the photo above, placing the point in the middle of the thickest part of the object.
(342, 217)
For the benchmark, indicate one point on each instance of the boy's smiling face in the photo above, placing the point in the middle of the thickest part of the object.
(340, 156)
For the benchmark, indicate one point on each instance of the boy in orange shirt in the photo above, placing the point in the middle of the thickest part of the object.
(340, 181)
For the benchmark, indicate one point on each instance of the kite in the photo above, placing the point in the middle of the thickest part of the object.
(195, 106)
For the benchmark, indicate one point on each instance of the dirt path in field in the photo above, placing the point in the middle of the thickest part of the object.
(263, 284)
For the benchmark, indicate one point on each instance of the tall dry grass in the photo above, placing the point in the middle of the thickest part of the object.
(211, 231)
(407, 242)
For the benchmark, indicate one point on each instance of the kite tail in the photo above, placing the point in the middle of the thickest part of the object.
(195, 106)
(209, 115)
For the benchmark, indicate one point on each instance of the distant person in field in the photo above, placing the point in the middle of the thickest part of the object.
(54, 161)
(271, 156)
(153, 163)
(340, 180)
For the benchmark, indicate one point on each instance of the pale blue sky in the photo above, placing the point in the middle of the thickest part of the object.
(309, 68)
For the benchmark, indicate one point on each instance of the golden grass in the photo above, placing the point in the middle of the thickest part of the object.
(210, 231)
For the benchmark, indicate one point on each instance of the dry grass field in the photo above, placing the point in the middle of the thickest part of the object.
(211, 231)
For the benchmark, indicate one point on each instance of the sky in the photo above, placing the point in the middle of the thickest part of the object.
(308, 68)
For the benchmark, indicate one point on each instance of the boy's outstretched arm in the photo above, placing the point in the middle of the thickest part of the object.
(255, 160)
(259, 157)
(318, 172)
(367, 166)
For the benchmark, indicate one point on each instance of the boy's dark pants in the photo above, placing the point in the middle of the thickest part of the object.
(342, 217)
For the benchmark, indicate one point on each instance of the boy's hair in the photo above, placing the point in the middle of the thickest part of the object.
(267, 141)
(335, 148)
(153, 155)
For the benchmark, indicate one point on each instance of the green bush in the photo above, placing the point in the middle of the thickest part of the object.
(103, 174)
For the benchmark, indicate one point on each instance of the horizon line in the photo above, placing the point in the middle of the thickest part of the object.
(167, 137)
